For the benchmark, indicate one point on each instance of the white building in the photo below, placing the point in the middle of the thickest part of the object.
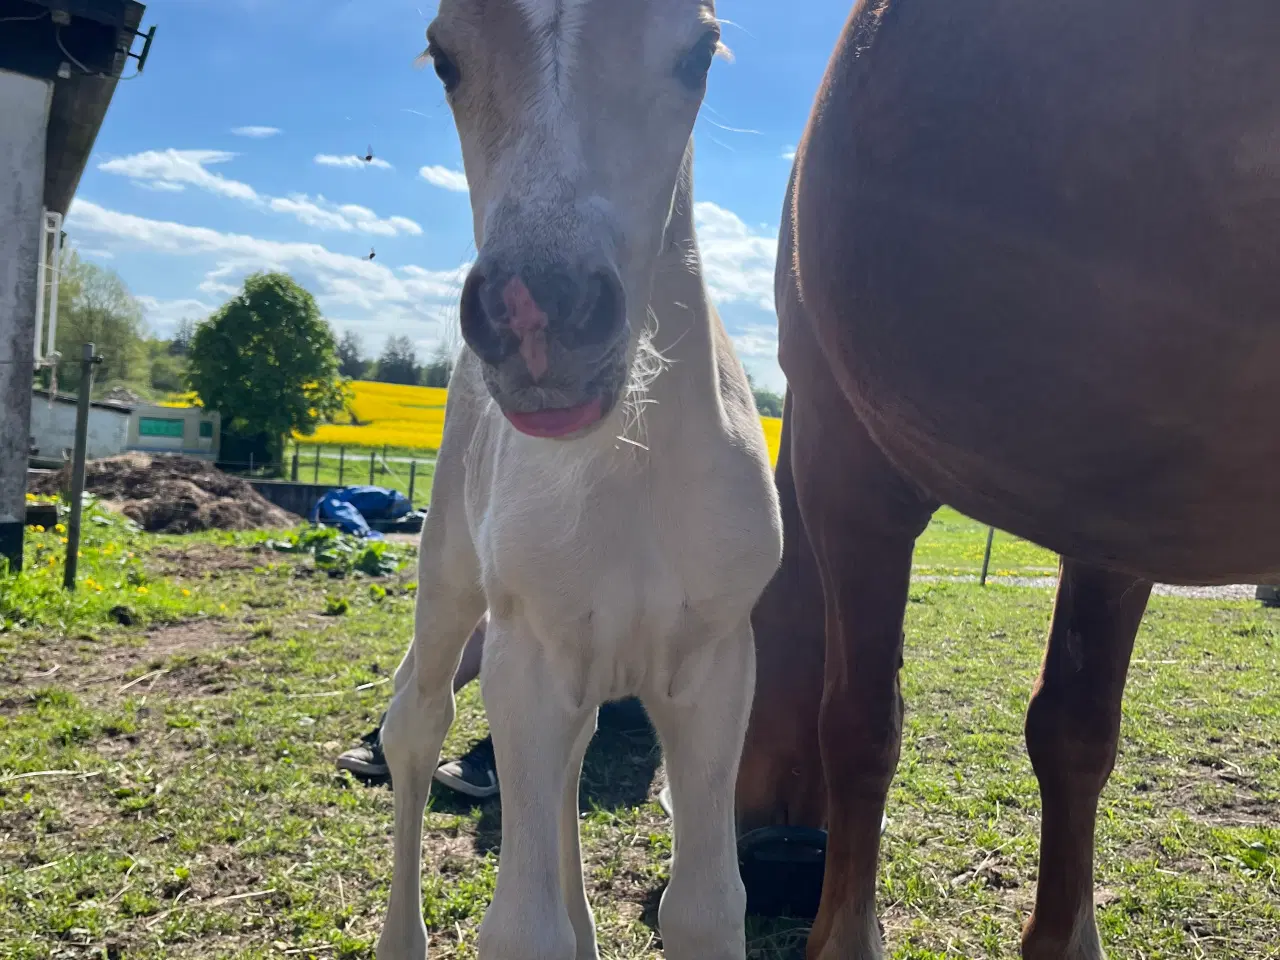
(190, 431)
(59, 65)
(53, 427)
(116, 428)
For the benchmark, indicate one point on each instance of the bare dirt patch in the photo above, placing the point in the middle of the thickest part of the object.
(86, 665)
(174, 494)
(193, 561)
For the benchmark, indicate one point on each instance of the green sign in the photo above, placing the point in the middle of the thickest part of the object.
(160, 427)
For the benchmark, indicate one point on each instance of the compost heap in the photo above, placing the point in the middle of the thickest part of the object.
(173, 494)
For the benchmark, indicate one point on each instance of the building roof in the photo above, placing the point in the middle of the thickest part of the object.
(96, 404)
(90, 40)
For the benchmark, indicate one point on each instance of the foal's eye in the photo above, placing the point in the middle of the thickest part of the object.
(444, 67)
(694, 65)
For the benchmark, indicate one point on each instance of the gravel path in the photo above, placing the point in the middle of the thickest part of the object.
(1235, 591)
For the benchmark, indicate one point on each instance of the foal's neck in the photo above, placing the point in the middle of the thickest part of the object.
(687, 326)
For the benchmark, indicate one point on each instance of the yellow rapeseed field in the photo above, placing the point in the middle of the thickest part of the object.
(393, 415)
(388, 414)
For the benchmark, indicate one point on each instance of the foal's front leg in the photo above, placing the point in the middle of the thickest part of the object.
(702, 914)
(536, 732)
(421, 712)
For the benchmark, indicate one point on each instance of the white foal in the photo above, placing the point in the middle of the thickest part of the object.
(603, 487)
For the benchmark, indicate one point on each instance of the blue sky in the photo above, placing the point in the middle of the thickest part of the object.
(236, 150)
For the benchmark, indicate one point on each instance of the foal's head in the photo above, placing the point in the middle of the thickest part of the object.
(574, 117)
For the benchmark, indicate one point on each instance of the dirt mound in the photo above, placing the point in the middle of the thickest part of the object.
(173, 494)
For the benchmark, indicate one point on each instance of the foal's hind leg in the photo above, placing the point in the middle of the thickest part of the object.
(1072, 729)
(863, 520)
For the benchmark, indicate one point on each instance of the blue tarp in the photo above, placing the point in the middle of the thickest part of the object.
(350, 509)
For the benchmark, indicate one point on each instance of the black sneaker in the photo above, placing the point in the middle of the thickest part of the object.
(366, 760)
(474, 774)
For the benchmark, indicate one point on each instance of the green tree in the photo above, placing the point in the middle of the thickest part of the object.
(95, 306)
(267, 362)
(398, 362)
(351, 361)
(768, 403)
(180, 345)
(439, 368)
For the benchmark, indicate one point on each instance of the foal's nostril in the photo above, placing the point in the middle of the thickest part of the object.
(478, 329)
(600, 313)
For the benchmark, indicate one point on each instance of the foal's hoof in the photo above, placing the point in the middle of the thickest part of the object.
(782, 869)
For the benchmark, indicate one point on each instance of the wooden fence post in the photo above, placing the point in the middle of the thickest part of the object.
(315, 477)
(88, 360)
(413, 478)
(342, 465)
(373, 464)
(293, 473)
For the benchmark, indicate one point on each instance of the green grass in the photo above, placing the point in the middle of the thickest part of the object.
(198, 814)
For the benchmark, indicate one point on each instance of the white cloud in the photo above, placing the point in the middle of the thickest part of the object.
(737, 262)
(399, 298)
(444, 178)
(756, 341)
(174, 170)
(177, 168)
(788, 154)
(256, 133)
(163, 316)
(159, 186)
(350, 160)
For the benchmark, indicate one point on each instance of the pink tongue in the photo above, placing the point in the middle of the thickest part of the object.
(558, 423)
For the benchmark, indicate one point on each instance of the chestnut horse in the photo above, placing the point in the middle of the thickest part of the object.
(1029, 267)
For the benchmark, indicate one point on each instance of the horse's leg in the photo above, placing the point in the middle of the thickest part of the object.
(863, 520)
(780, 779)
(1072, 729)
(571, 879)
(536, 732)
(422, 709)
(701, 720)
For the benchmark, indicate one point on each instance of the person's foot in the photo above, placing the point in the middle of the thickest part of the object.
(366, 760)
(474, 774)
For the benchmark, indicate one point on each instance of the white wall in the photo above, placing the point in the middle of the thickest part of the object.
(24, 118)
(53, 429)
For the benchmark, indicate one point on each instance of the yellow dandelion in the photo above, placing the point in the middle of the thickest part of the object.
(143, 590)
(59, 528)
(186, 592)
(38, 528)
(63, 540)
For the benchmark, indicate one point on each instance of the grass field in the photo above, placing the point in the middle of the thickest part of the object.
(167, 788)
